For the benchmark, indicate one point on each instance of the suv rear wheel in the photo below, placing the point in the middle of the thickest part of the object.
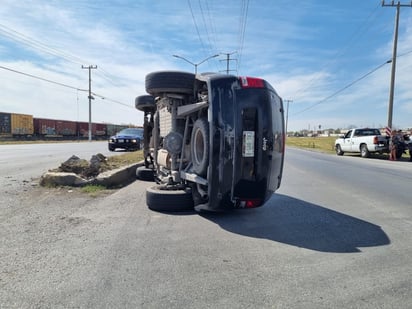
(170, 81)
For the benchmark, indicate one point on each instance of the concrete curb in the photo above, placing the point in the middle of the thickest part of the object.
(114, 178)
(118, 177)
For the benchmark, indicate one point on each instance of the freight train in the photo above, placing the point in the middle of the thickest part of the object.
(23, 126)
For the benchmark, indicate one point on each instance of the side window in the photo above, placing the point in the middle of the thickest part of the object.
(347, 135)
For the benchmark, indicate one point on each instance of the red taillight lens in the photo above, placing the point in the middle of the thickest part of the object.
(251, 82)
(249, 203)
(375, 140)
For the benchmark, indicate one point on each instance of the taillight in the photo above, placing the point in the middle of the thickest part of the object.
(249, 203)
(251, 82)
(375, 140)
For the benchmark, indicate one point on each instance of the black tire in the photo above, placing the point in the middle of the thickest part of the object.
(111, 148)
(161, 198)
(199, 146)
(144, 173)
(169, 81)
(145, 103)
(364, 151)
(339, 151)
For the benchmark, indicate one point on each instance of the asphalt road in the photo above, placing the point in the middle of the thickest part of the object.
(25, 163)
(336, 235)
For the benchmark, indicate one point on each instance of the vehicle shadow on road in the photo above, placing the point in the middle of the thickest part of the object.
(298, 223)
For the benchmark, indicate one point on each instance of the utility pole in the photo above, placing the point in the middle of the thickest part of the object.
(90, 67)
(228, 60)
(395, 46)
(287, 114)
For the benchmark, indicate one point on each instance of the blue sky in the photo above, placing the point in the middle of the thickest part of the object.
(307, 49)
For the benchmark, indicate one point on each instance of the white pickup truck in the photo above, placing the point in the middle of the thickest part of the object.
(362, 140)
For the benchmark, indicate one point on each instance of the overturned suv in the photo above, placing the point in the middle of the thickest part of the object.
(211, 141)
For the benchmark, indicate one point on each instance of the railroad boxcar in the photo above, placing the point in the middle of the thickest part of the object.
(101, 129)
(83, 128)
(66, 128)
(44, 127)
(5, 124)
(19, 125)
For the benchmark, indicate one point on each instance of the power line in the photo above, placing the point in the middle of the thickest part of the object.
(41, 78)
(344, 88)
(112, 100)
(205, 24)
(36, 44)
(22, 38)
(64, 85)
(344, 49)
(197, 28)
(211, 24)
(242, 28)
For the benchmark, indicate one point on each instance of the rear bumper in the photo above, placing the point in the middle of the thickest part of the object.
(380, 148)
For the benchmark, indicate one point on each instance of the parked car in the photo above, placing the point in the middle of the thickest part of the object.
(128, 139)
(211, 141)
(362, 140)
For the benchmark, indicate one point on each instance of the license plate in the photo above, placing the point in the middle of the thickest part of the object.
(248, 147)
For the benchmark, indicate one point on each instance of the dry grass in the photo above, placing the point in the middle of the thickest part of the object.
(124, 159)
(322, 144)
(327, 145)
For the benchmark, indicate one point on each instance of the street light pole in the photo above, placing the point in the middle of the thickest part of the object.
(195, 64)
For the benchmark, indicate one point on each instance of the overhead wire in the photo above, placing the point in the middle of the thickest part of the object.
(63, 85)
(242, 30)
(205, 25)
(112, 100)
(211, 23)
(342, 89)
(36, 44)
(351, 84)
(22, 38)
(196, 26)
(41, 78)
(357, 33)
